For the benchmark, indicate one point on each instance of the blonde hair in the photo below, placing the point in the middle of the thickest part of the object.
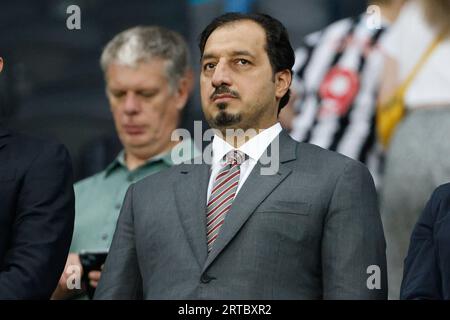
(437, 13)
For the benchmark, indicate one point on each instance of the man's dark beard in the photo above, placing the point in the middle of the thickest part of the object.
(224, 119)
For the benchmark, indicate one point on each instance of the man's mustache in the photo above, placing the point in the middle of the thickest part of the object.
(224, 90)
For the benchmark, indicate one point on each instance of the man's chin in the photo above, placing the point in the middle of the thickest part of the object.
(135, 141)
(225, 120)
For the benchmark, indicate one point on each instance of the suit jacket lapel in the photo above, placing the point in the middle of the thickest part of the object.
(190, 192)
(255, 189)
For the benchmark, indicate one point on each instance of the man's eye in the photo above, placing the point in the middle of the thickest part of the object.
(243, 62)
(118, 94)
(147, 94)
(208, 66)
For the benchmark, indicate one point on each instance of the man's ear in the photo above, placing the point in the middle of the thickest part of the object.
(1, 64)
(184, 89)
(283, 81)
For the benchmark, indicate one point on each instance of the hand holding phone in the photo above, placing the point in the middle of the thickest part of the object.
(91, 261)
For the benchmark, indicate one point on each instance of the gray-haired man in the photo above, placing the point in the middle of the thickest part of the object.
(148, 81)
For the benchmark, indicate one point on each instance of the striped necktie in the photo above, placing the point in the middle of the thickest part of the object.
(222, 194)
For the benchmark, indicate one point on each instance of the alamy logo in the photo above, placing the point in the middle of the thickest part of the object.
(373, 21)
(374, 280)
(74, 277)
(73, 21)
(269, 160)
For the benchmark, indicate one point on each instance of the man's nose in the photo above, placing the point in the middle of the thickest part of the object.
(221, 76)
(131, 103)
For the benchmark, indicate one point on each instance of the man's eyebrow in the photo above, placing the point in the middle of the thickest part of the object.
(242, 53)
(207, 56)
(234, 53)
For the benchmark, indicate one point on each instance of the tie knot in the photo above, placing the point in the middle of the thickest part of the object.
(235, 157)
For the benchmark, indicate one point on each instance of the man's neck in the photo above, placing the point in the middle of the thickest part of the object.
(237, 140)
(136, 158)
(238, 137)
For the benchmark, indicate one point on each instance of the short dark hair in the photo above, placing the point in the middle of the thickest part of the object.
(278, 47)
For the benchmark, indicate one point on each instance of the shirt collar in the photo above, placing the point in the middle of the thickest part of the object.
(165, 157)
(254, 148)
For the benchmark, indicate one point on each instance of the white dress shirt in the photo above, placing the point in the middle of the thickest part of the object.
(254, 149)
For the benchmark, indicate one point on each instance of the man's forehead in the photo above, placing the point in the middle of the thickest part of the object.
(153, 63)
(143, 74)
(235, 37)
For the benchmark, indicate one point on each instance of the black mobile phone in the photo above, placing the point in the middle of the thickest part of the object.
(91, 261)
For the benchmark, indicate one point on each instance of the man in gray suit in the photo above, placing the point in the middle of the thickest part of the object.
(308, 229)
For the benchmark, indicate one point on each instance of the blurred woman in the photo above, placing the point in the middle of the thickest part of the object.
(418, 157)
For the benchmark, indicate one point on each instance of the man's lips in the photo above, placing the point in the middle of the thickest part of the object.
(223, 97)
(131, 129)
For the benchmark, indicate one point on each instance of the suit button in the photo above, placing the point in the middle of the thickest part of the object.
(206, 278)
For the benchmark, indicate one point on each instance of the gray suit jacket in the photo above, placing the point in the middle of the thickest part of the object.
(310, 231)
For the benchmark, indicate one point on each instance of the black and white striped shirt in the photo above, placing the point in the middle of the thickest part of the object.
(336, 76)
